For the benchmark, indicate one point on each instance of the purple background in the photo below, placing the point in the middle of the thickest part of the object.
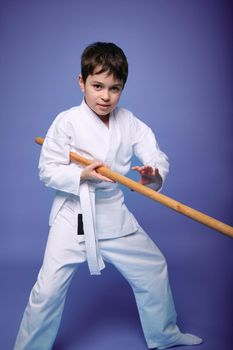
(180, 83)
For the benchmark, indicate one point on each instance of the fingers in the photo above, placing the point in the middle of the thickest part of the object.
(145, 170)
(90, 173)
(101, 177)
(97, 164)
(94, 165)
(137, 168)
(142, 168)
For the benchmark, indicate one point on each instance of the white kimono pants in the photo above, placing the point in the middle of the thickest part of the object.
(135, 256)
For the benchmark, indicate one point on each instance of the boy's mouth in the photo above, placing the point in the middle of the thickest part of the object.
(103, 106)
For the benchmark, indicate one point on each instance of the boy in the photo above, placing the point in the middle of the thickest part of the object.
(89, 220)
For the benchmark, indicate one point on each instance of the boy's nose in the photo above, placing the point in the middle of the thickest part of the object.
(105, 95)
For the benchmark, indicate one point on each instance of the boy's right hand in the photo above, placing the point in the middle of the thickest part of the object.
(89, 173)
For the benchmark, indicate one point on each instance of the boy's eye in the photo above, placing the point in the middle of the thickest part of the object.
(115, 89)
(97, 86)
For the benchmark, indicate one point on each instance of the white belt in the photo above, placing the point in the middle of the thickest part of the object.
(87, 202)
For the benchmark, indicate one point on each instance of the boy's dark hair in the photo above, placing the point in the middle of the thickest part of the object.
(108, 56)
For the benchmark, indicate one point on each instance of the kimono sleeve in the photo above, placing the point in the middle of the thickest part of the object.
(147, 150)
(55, 168)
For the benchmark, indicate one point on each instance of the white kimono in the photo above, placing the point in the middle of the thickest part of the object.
(105, 216)
(102, 203)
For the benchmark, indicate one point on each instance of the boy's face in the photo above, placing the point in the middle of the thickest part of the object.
(102, 92)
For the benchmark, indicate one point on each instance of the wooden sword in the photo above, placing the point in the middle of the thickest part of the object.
(156, 196)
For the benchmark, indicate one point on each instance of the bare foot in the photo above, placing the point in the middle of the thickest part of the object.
(184, 339)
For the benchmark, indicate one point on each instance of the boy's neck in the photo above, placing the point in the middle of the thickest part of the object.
(104, 119)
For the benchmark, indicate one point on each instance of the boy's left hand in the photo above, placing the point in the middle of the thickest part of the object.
(147, 172)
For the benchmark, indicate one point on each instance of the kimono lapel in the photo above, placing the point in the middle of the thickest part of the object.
(114, 139)
(98, 134)
(104, 141)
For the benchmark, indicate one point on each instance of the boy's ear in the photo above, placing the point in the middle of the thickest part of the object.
(81, 83)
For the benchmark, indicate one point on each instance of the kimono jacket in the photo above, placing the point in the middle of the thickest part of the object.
(80, 130)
